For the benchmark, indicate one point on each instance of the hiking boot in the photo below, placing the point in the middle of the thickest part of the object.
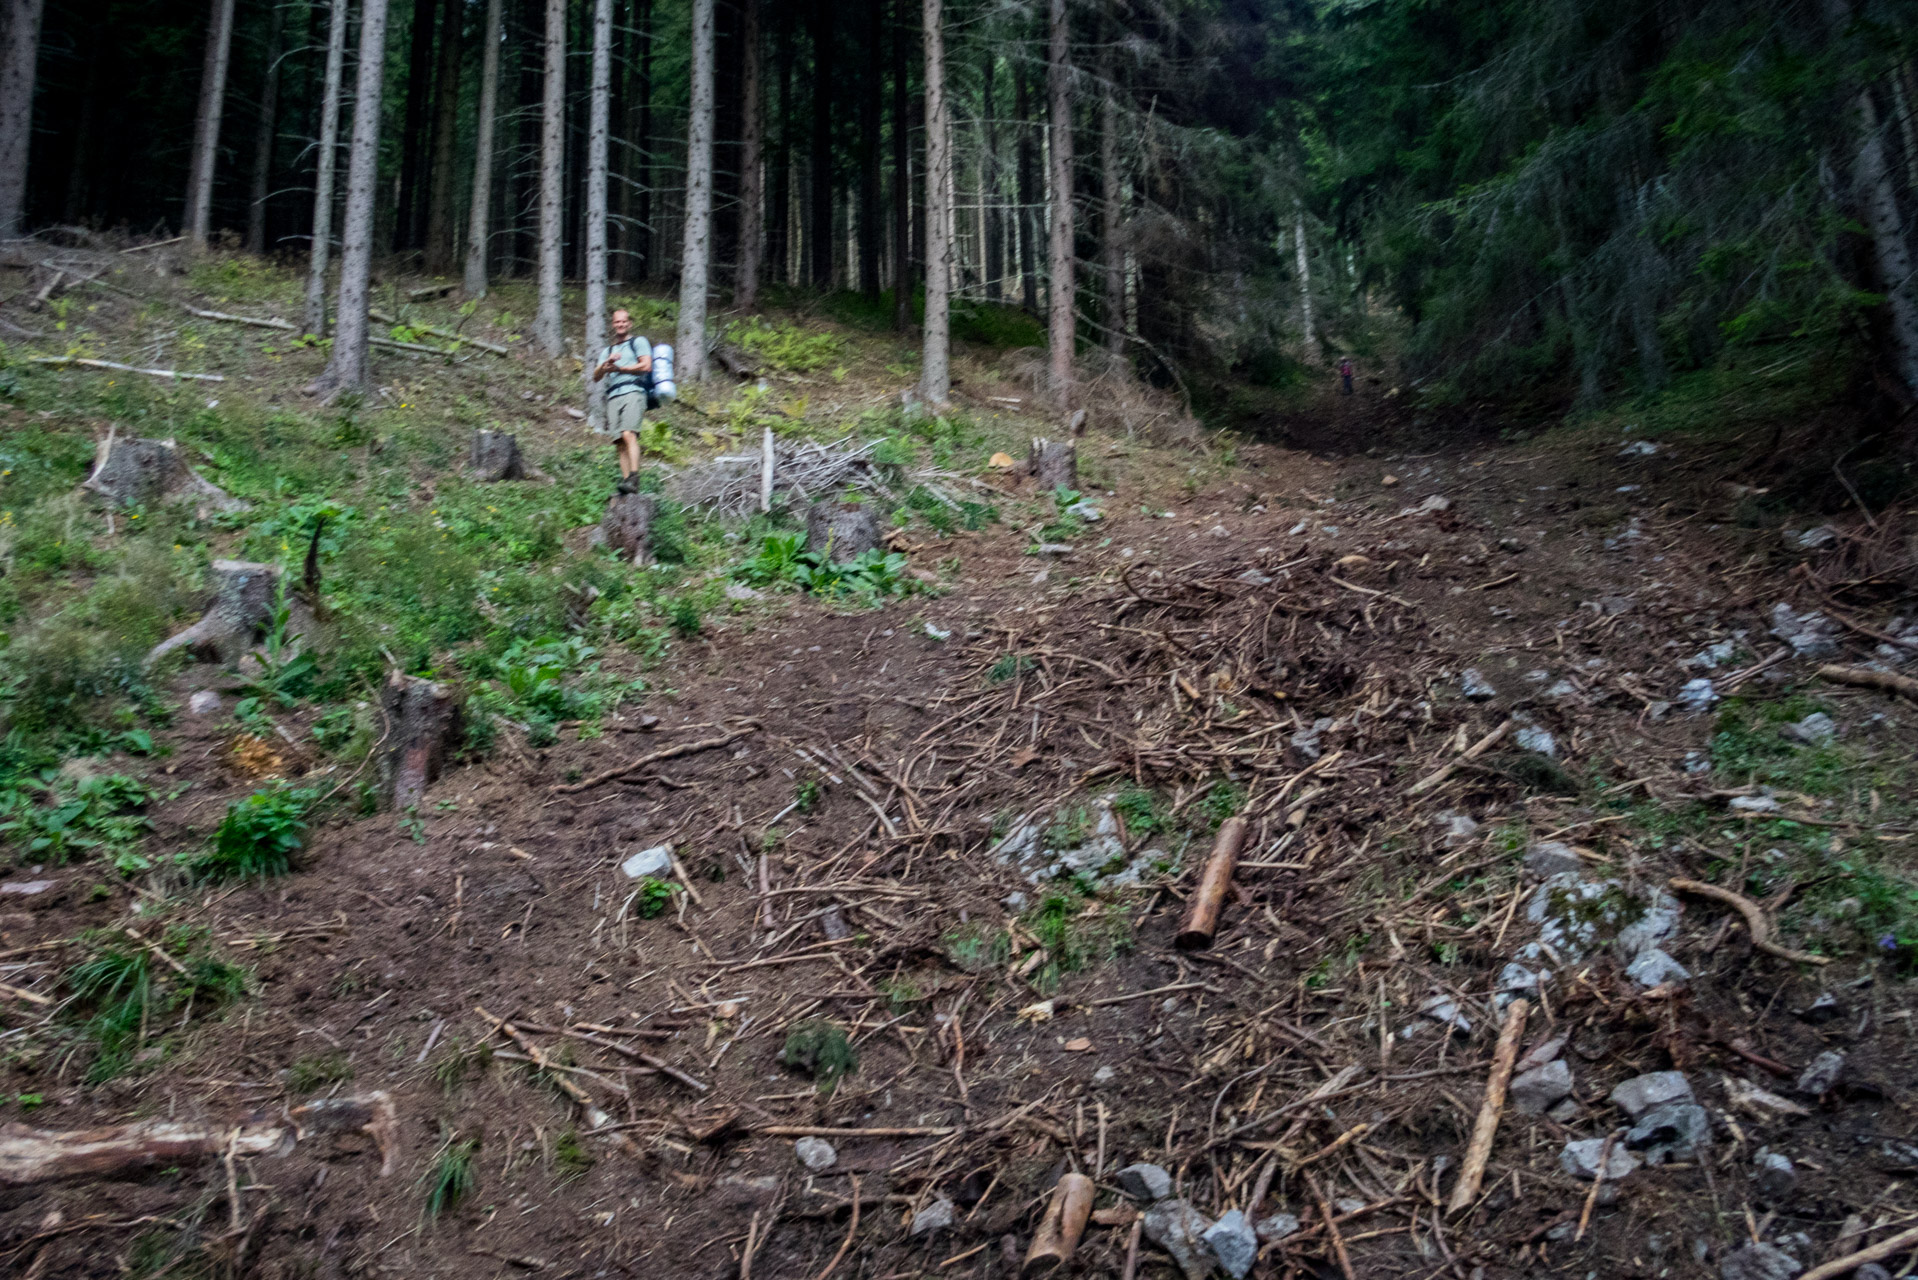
(627, 484)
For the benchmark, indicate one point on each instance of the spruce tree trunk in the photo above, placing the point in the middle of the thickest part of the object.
(901, 176)
(478, 232)
(314, 321)
(85, 134)
(696, 246)
(752, 167)
(407, 226)
(441, 236)
(871, 145)
(1112, 199)
(819, 235)
(1028, 219)
(263, 135)
(1060, 289)
(598, 126)
(19, 67)
(1877, 198)
(935, 372)
(347, 371)
(779, 215)
(644, 141)
(989, 197)
(1305, 283)
(552, 160)
(206, 125)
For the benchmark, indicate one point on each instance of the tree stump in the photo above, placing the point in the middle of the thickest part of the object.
(142, 473)
(422, 718)
(628, 524)
(242, 607)
(496, 457)
(1054, 463)
(841, 531)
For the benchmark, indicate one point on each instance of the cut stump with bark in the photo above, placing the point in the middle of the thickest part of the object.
(496, 457)
(422, 719)
(627, 526)
(841, 531)
(145, 473)
(1054, 463)
(242, 607)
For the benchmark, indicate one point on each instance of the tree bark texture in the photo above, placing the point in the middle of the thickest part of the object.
(872, 84)
(144, 473)
(478, 219)
(422, 720)
(552, 159)
(935, 371)
(441, 232)
(206, 125)
(19, 68)
(1877, 196)
(1112, 209)
(242, 606)
(628, 524)
(819, 235)
(347, 371)
(752, 166)
(1053, 463)
(1305, 283)
(1059, 289)
(989, 193)
(598, 127)
(644, 141)
(1028, 219)
(495, 456)
(901, 173)
(263, 134)
(408, 225)
(321, 246)
(841, 532)
(695, 249)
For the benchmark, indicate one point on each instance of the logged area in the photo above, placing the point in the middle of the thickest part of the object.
(1305, 851)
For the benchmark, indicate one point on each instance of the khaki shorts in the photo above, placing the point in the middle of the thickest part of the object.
(623, 413)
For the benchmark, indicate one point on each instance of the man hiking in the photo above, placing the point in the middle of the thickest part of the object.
(627, 363)
(1345, 376)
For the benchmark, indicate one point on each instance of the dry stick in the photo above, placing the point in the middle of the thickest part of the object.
(1202, 913)
(1472, 753)
(828, 1131)
(1155, 991)
(1065, 1221)
(594, 1116)
(1755, 921)
(126, 368)
(1331, 1228)
(1132, 1249)
(851, 1230)
(1480, 1149)
(1598, 1180)
(1886, 680)
(1871, 1253)
(17, 993)
(667, 753)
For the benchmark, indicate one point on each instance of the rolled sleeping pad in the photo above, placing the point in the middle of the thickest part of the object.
(664, 388)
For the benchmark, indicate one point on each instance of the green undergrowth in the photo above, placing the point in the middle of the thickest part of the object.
(125, 999)
(1070, 932)
(822, 1050)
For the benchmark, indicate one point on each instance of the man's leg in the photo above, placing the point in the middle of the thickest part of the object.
(627, 447)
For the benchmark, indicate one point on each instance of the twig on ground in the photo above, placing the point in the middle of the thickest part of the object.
(1471, 753)
(1889, 681)
(1479, 1151)
(666, 753)
(125, 368)
(1755, 922)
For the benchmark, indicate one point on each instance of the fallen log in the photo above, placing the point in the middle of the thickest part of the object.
(1202, 914)
(1065, 1221)
(85, 363)
(1865, 678)
(1479, 1151)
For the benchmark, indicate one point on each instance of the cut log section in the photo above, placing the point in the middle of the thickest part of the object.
(29, 1155)
(242, 606)
(627, 526)
(1054, 464)
(841, 531)
(422, 719)
(496, 457)
(144, 473)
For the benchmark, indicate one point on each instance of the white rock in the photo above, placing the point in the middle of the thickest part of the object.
(1532, 738)
(936, 1216)
(1697, 695)
(1814, 730)
(1144, 1182)
(1653, 968)
(1580, 1160)
(740, 591)
(1641, 1094)
(815, 1153)
(204, 702)
(1233, 1243)
(656, 862)
(1534, 1092)
(1276, 1227)
(1473, 684)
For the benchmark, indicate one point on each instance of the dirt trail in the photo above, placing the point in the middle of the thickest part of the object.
(1290, 639)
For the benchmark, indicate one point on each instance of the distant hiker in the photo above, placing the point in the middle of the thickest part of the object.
(628, 361)
(1345, 376)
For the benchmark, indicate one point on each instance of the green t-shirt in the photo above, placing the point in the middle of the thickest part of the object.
(631, 351)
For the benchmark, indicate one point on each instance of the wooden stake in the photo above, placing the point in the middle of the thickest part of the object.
(766, 472)
(1064, 1223)
(1202, 915)
(1480, 1149)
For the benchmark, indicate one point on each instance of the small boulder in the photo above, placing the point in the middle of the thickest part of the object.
(1534, 1092)
(1774, 1175)
(1641, 1094)
(1654, 968)
(1821, 1077)
(1675, 1131)
(1179, 1229)
(1234, 1243)
(1456, 829)
(1580, 1160)
(1473, 684)
(204, 702)
(1815, 730)
(656, 862)
(936, 1216)
(816, 1154)
(1145, 1182)
(1276, 1227)
(1551, 858)
(1759, 1262)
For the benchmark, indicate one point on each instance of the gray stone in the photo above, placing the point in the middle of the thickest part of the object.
(204, 702)
(1532, 738)
(1580, 1160)
(1179, 1229)
(1826, 1006)
(656, 862)
(1473, 684)
(1871, 1271)
(1145, 1182)
(1697, 695)
(26, 888)
(1445, 1009)
(1234, 1243)
(1755, 804)
(1566, 1112)
(1054, 549)
(1518, 977)
(1675, 1131)
(740, 591)
(1774, 1175)
(1455, 829)
(1814, 730)
(815, 1153)
(1576, 917)
(1641, 1094)
(1276, 1227)
(936, 1216)
(1552, 858)
(1821, 1077)
(1759, 1262)
(1535, 1091)
(1654, 968)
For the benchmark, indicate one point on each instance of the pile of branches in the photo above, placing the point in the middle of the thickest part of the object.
(805, 471)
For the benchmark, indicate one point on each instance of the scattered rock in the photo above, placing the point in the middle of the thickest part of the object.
(1536, 1090)
(1755, 804)
(740, 591)
(1811, 539)
(1552, 858)
(1711, 656)
(1455, 829)
(656, 862)
(204, 702)
(1054, 549)
(1276, 1227)
(1234, 1243)
(1773, 1175)
(1638, 449)
(1697, 695)
(1576, 917)
(1822, 1010)
(1104, 1075)
(27, 888)
(1641, 1094)
(1179, 1229)
(936, 1216)
(1821, 1077)
(1580, 1160)
(1431, 506)
(1654, 968)
(1759, 1262)
(1566, 1112)
(1675, 1131)
(1811, 635)
(1473, 684)
(815, 1153)
(1815, 730)
(1089, 513)
(1445, 1009)
(1532, 738)
(1542, 1053)
(1145, 1182)
(1871, 1271)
